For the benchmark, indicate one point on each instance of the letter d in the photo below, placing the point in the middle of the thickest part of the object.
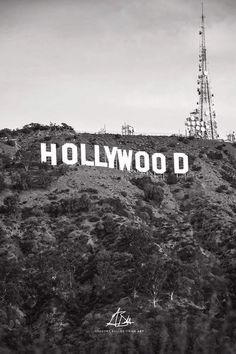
(177, 157)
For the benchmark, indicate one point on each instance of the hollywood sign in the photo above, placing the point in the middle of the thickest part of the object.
(114, 158)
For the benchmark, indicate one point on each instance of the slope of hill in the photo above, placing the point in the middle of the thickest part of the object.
(78, 243)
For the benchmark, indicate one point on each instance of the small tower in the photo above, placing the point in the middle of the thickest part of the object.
(202, 121)
(127, 129)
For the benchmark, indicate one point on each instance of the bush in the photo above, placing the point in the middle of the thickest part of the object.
(69, 205)
(11, 203)
(163, 149)
(21, 180)
(90, 190)
(94, 218)
(171, 178)
(189, 179)
(5, 161)
(141, 182)
(115, 205)
(215, 155)
(2, 183)
(63, 169)
(144, 211)
(221, 188)
(10, 142)
(220, 147)
(84, 203)
(42, 180)
(196, 168)
(183, 139)
(153, 192)
(229, 176)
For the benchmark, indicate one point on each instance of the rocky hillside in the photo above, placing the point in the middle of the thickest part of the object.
(78, 243)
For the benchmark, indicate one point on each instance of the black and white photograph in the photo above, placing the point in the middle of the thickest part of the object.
(118, 177)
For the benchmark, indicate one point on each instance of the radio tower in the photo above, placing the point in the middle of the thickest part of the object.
(201, 122)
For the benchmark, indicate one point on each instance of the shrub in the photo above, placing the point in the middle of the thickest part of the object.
(2, 183)
(90, 190)
(5, 161)
(81, 204)
(215, 155)
(42, 180)
(153, 192)
(220, 147)
(229, 176)
(171, 178)
(10, 142)
(171, 144)
(62, 169)
(11, 203)
(196, 168)
(233, 207)
(94, 218)
(21, 180)
(163, 149)
(115, 205)
(141, 182)
(144, 211)
(69, 205)
(189, 179)
(221, 188)
(183, 139)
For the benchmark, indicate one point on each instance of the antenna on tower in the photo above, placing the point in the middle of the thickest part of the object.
(201, 122)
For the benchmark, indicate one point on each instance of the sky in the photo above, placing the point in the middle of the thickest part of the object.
(91, 63)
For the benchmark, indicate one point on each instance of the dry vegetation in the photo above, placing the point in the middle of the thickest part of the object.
(77, 243)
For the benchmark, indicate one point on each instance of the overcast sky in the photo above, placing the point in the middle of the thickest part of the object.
(93, 62)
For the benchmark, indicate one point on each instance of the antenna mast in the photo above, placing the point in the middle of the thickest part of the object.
(201, 122)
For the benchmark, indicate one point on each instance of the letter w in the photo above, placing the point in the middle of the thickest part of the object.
(125, 160)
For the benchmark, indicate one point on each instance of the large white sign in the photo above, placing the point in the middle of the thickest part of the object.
(114, 158)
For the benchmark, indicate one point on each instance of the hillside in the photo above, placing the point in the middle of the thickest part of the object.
(77, 243)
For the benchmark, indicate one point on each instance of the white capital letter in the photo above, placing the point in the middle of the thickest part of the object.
(111, 156)
(52, 153)
(74, 154)
(98, 163)
(83, 156)
(146, 163)
(162, 157)
(125, 160)
(177, 157)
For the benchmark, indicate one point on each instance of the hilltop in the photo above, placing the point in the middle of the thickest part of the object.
(79, 242)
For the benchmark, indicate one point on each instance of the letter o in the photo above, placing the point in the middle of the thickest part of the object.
(154, 163)
(138, 166)
(74, 158)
